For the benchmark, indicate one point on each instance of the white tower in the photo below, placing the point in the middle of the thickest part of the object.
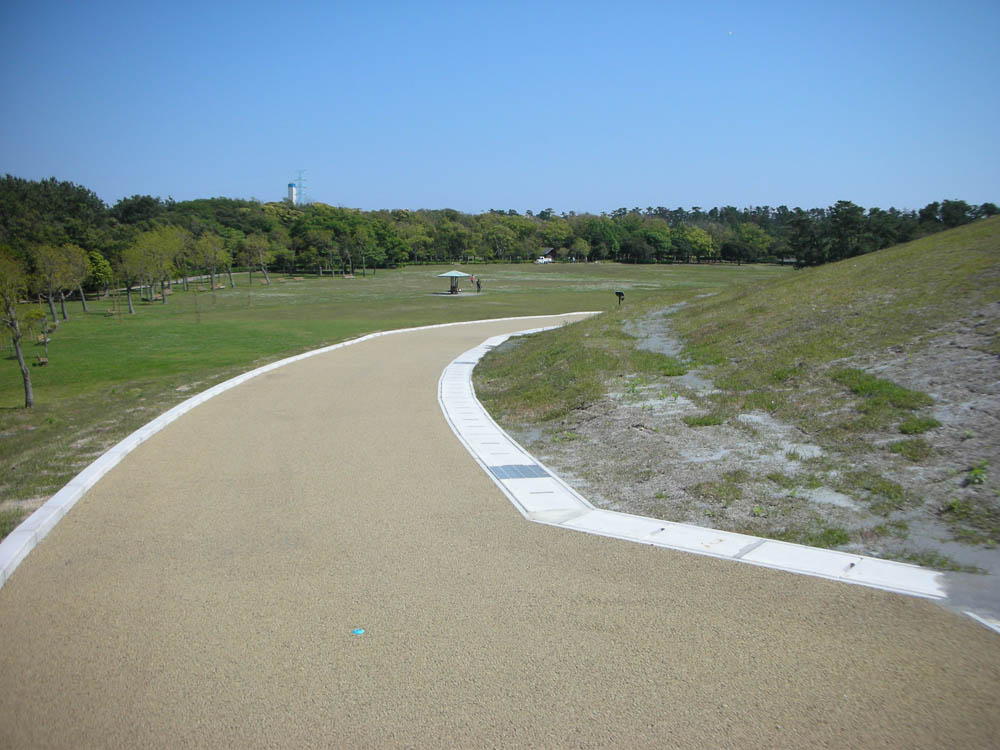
(293, 193)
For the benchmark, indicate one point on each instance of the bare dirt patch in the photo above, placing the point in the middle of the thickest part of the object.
(932, 498)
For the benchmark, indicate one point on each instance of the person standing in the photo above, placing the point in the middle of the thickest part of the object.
(479, 285)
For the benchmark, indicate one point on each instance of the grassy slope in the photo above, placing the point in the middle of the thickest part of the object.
(765, 340)
(773, 346)
(787, 346)
(108, 376)
(555, 372)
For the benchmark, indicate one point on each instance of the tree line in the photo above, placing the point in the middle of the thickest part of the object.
(142, 239)
(59, 240)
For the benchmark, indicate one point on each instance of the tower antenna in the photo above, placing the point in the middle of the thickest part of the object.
(300, 183)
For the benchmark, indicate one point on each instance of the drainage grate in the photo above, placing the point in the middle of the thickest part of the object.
(519, 471)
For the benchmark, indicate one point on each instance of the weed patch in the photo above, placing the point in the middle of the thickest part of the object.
(736, 476)
(976, 474)
(654, 363)
(703, 420)
(914, 449)
(882, 495)
(879, 392)
(784, 374)
(918, 425)
(783, 480)
(762, 400)
(717, 492)
(566, 436)
(931, 559)
(896, 529)
(828, 537)
(972, 520)
(9, 519)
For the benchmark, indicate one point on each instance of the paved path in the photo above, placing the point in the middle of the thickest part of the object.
(204, 592)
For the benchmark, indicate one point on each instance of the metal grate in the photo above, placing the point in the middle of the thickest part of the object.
(519, 471)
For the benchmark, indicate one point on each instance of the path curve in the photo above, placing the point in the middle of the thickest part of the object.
(204, 593)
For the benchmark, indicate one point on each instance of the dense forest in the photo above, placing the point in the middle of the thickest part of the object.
(67, 240)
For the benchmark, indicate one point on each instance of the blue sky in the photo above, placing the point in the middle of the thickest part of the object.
(577, 106)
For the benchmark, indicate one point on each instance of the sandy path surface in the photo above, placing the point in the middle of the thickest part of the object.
(204, 592)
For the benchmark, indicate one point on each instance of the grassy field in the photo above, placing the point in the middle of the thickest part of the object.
(109, 375)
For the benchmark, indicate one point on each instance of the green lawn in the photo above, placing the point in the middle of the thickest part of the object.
(109, 375)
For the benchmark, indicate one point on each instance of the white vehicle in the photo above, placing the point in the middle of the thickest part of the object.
(543, 259)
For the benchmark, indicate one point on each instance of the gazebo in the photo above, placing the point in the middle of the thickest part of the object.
(454, 276)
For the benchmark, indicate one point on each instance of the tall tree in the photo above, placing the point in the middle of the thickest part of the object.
(139, 209)
(756, 241)
(51, 274)
(360, 242)
(804, 241)
(884, 228)
(77, 269)
(281, 245)
(48, 212)
(955, 213)
(131, 266)
(146, 244)
(987, 210)
(317, 245)
(699, 241)
(209, 254)
(928, 217)
(161, 247)
(258, 253)
(14, 283)
(416, 235)
(498, 240)
(602, 235)
(389, 249)
(848, 230)
(100, 273)
(452, 239)
(579, 248)
(556, 233)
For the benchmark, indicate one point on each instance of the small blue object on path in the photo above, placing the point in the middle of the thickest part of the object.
(358, 631)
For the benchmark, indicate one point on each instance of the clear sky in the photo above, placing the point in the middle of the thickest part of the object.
(578, 106)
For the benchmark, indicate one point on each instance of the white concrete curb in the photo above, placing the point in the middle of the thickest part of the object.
(543, 497)
(33, 529)
(989, 622)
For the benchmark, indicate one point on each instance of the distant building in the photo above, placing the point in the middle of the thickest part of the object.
(293, 194)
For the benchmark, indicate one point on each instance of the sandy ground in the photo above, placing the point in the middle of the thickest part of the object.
(203, 594)
(632, 452)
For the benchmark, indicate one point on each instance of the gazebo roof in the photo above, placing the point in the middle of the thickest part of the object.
(453, 274)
